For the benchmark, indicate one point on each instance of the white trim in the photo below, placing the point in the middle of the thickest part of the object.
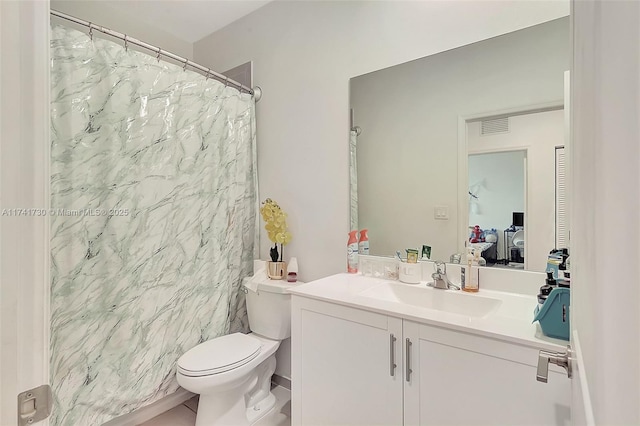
(24, 183)
(497, 149)
(519, 110)
(43, 186)
(526, 211)
(148, 412)
(463, 184)
(463, 160)
(3, 335)
(568, 149)
(577, 364)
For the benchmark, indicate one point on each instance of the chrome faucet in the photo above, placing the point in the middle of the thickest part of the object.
(440, 279)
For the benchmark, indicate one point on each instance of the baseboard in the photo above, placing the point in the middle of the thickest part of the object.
(144, 414)
(281, 381)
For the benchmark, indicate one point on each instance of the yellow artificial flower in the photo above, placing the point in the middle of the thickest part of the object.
(275, 222)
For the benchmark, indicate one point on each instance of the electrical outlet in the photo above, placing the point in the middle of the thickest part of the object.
(441, 212)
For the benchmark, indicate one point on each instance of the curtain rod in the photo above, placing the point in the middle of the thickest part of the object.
(257, 93)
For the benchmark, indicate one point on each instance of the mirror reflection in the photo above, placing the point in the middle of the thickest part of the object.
(463, 138)
(513, 179)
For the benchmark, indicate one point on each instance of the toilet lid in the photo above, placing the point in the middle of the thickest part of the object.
(219, 355)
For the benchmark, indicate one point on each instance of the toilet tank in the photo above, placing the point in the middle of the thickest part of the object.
(269, 306)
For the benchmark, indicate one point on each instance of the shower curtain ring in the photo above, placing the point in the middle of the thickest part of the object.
(158, 55)
(126, 45)
(184, 68)
(90, 31)
(207, 74)
(226, 81)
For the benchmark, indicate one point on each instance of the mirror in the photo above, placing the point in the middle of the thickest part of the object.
(430, 134)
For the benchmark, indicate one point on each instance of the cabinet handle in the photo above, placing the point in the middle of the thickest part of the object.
(408, 372)
(392, 355)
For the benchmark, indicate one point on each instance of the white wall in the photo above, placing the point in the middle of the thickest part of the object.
(539, 134)
(497, 179)
(100, 13)
(304, 54)
(605, 201)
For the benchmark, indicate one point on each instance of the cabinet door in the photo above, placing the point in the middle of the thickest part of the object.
(342, 370)
(463, 379)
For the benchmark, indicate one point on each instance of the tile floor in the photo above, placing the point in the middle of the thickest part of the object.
(185, 414)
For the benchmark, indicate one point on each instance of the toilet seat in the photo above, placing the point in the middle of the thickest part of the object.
(218, 355)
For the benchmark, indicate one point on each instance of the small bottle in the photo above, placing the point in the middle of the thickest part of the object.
(471, 274)
(352, 253)
(363, 244)
(545, 290)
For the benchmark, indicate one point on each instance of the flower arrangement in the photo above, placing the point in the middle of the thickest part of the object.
(276, 225)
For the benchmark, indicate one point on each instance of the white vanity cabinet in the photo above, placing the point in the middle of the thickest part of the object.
(459, 378)
(343, 374)
(342, 366)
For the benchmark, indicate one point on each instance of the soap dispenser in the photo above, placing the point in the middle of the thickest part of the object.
(470, 278)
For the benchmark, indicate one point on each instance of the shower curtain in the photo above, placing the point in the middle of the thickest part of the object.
(153, 210)
(353, 175)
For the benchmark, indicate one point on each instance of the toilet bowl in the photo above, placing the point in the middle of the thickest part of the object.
(232, 373)
(231, 393)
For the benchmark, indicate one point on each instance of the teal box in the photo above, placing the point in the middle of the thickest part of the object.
(554, 314)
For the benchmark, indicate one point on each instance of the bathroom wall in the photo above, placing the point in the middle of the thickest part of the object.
(539, 133)
(304, 54)
(100, 13)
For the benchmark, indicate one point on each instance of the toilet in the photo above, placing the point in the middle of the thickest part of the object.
(232, 373)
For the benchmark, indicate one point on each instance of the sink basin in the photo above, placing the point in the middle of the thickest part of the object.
(457, 302)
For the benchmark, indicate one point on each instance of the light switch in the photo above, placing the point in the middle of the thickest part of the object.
(441, 212)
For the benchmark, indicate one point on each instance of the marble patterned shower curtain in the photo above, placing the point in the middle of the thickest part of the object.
(153, 222)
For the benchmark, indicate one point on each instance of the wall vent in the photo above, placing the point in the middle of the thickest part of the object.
(497, 125)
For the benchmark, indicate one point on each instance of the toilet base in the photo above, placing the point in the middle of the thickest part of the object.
(216, 410)
(242, 405)
(261, 409)
(221, 409)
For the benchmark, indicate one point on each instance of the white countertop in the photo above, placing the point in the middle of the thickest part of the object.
(510, 321)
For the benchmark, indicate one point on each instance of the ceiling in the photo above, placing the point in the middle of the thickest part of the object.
(189, 20)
